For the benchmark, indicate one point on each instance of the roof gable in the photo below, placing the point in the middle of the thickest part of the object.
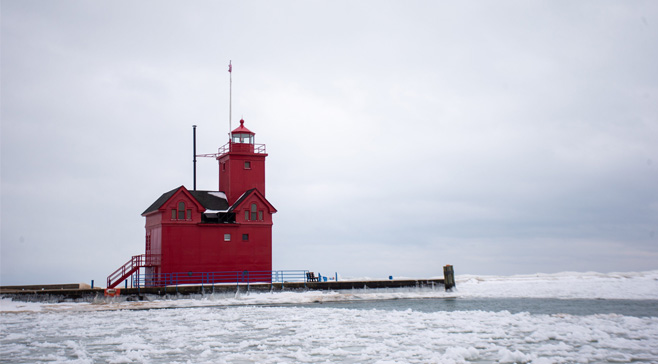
(256, 193)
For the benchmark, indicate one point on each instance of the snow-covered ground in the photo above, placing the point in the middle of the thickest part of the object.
(266, 328)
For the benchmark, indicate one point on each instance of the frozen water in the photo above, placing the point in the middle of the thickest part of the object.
(311, 335)
(290, 327)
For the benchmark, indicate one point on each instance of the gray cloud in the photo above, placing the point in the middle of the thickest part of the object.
(502, 138)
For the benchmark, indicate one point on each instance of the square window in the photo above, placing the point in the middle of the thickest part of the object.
(247, 165)
(227, 237)
(245, 237)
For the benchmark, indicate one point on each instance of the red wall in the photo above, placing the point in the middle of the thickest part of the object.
(191, 246)
(234, 179)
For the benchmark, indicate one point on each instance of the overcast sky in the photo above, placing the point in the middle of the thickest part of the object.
(506, 137)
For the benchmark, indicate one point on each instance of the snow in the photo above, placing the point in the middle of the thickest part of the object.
(210, 212)
(221, 195)
(273, 328)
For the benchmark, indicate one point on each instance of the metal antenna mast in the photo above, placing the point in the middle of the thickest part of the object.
(230, 98)
(194, 155)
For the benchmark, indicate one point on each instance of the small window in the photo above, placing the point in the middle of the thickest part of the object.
(247, 165)
(246, 215)
(189, 214)
(173, 214)
(254, 215)
(245, 237)
(260, 215)
(181, 210)
(227, 237)
(224, 166)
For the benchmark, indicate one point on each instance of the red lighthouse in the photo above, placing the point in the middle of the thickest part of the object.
(198, 236)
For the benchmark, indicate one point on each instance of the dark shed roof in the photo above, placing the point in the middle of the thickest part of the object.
(211, 200)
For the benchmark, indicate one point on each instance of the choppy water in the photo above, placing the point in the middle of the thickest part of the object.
(430, 330)
(547, 306)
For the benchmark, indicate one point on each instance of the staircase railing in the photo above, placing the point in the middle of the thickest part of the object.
(130, 267)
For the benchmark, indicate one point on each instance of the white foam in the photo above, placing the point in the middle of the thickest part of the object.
(8, 305)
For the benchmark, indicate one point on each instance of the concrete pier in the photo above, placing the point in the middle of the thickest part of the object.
(68, 293)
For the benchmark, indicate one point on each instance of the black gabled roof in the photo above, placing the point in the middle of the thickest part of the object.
(247, 194)
(211, 200)
(160, 201)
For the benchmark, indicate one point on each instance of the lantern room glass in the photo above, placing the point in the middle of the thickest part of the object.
(243, 138)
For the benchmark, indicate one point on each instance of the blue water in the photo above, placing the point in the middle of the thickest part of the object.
(548, 306)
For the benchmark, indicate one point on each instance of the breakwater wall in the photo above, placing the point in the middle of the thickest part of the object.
(37, 293)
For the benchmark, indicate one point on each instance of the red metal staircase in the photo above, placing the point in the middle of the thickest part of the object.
(128, 269)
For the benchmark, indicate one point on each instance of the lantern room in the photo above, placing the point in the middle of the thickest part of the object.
(242, 139)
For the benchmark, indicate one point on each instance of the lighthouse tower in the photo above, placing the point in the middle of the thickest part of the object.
(241, 164)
